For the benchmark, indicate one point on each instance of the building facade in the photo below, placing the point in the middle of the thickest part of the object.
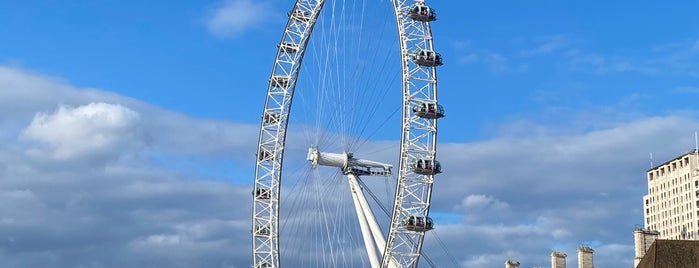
(671, 206)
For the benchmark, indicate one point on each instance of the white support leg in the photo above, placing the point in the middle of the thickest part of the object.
(375, 230)
(366, 232)
(369, 216)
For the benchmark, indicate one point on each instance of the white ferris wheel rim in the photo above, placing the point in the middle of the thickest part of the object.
(418, 135)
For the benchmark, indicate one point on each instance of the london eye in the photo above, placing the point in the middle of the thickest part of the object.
(346, 91)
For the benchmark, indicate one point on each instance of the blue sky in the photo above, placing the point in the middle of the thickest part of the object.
(527, 58)
(564, 93)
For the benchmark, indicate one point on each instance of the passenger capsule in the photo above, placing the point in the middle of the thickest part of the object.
(270, 118)
(261, 230)
(428, 110)
(279, 81)
(263, 265)
(288, 47)
(262, 193)
(421, 12)
(426, 167)
(427, 58)
(264, 154)
(300, 15)
(418, 223)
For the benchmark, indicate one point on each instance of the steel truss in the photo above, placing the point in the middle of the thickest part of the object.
(418, 136)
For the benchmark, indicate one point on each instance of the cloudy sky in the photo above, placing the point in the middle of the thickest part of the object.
(127, 129)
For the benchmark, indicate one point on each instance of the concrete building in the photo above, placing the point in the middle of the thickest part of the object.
(671, 207)
(585, 257)
(558, 259)
(511, 264)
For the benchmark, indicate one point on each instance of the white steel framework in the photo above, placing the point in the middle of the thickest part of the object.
(353, 168)
(418, 133)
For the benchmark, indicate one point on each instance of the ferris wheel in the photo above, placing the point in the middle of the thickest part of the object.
(336, 129)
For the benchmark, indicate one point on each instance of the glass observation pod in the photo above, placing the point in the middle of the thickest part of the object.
(300, 15)
(264, 154)
(418, 223)
(270, 118)
(428, 110)
(421, 12)
(288, 47)
(426, 167)
(427, 58)
(279, 81)
(263, 265)
(261, 230)
(262, 193)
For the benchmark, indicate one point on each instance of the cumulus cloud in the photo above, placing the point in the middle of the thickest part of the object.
(483, 207)
(531, 193)
(83, 131)
(547, 45)
(687, 90)
(470, 58)
(561, 189)
(495, 62)
(610, 64)
(673, 58)
(86, 181)
(234, 17)
(483, 201)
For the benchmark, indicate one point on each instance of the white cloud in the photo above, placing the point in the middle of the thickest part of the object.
(687, 90)
(561, 233)
(548, 45)
(479, 201)
(496, 62)
(542, 190)
(234, 17)
(114, 196)
(672, 58)
(553, 183)
(24, 93)
(491, 259)
(83, 131)
(470, 58)
(609, 64)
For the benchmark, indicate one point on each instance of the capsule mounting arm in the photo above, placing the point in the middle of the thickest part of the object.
(348, 163)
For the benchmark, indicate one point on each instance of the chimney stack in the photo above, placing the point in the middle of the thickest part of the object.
(511, 264)
(585, 257)
(558, 259)
(642, 239)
